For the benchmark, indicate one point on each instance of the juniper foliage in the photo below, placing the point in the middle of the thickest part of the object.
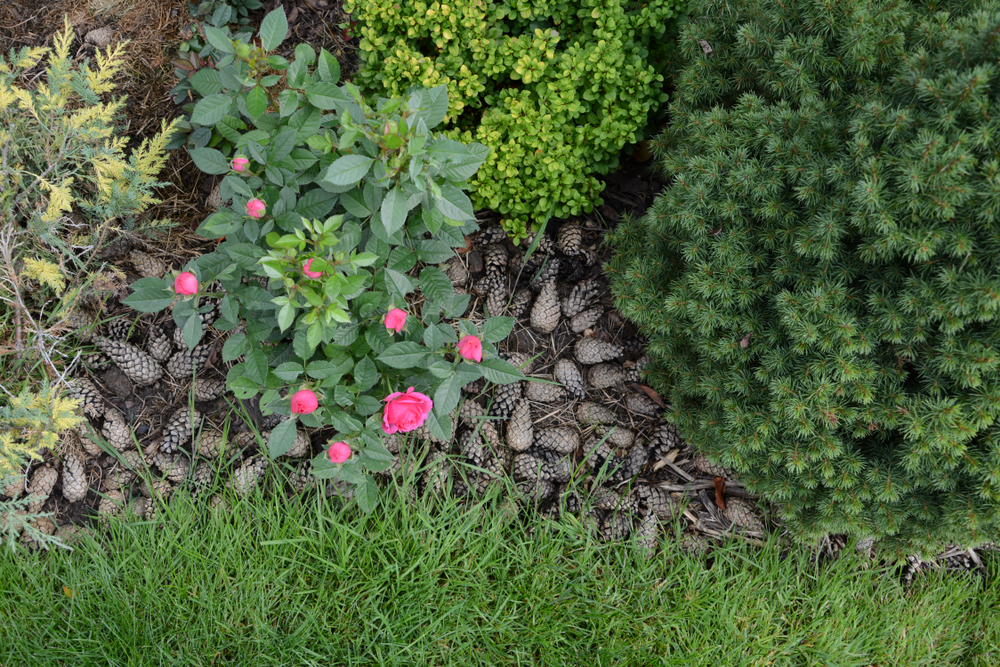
(820, 283)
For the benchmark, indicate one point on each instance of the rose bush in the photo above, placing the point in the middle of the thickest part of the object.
(368, 201)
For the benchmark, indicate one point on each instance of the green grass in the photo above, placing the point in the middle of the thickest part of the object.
(305, 582)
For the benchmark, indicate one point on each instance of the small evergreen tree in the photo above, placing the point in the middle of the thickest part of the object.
(821, 281)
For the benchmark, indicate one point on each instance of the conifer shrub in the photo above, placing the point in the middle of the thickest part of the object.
(820, 282)
(555, 89)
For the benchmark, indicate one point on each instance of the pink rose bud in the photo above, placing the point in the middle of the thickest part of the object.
(256, 208)
(395, 320)
(186, 284)
(471, 348)
(240, 163)
(339, 452)
(303, 402)
(311, 274)
(405, 412)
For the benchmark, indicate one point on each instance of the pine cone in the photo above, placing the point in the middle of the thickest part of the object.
(616, 527)
(647, 533)
(71, 534)
(208, 389)
(545, 244)
(496, 301)
(90, 398)
(609, 500)
(493, 282)
(146, 265)
(211, 444)
(495, 258)
(505, 397)
(74, 478)
(617, 436)
(472, 447)
(570, 240)
(641, 404)
(201, 481)
(121, 329)
(603, 376)
(543, 393)
(302, 478)
(40, 486)
(111, 505)
(545, 312)
(491, 436)
(183, 363)
(475, 387)
(520, 304)
(218, 504)
(585, 320)
(534, 491)
(457, 272)
(492, 234)
(709, 469)
(300, 447)
(566, 372)
(581, 297)
(247, 476)
(520, 431)
(14, 487)
(548, 273)
(542, 464)
(158, 344)
(741, 513)
(695, 544)
(116, 431)
(438, 472)
(561, 440)
(521, 361)
(82, 324)
(179, 428)
(660, 503)
(592, 413)
(591, 351)
(43, 525)
(176, 468)
(136, 364)
(96, 362)
(160, 490)
(666, 437)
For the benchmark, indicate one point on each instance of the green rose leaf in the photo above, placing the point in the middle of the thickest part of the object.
(211, 109)
(257, 105)
(149, 295)
(282, 438)
(273, 29)
(405, 354)
(348, 169)
(394, 211)
(499, 371)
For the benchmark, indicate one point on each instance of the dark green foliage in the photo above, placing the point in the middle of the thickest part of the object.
(820, 283)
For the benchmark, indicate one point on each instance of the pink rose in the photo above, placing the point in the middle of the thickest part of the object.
(186, 284)
(240, 164)
(395, 320)
(339, 452)
(303, 402)
(256, 208)
(311, 274)
(471, 348)
(405, 412)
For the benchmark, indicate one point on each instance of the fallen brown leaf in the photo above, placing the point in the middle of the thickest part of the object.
(720, 493)
(745, 343)
(651, 393)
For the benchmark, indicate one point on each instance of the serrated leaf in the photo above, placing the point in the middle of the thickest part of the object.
(273, 29)
(321, 369)
(219, 40)
(281, 145)
(348, 169)
(315, 204)
(394, 211)
(448, 393)
(454, 204)
(354, 202)
(499, 371)
(282, 438)
(288, 371)
(405, 354)
(206, 81)
(497, 328)
(367, 405)
(366, 493)
(256, 365)
(439, 424)
(400, 281)
(434, 251)
(433, 338)
(325, 96)
(241, 386)
(436, 285)
(211, 109)
(256, 102)
(365, 374)
(245, 254)
(149, 295)
(433, 106)
(328, 68)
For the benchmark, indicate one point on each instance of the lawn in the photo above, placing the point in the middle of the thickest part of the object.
(307, 581)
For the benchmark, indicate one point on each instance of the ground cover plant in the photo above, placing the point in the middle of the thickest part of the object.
(337, 294)
(820, 282)
(306, 580)
(554, 89)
